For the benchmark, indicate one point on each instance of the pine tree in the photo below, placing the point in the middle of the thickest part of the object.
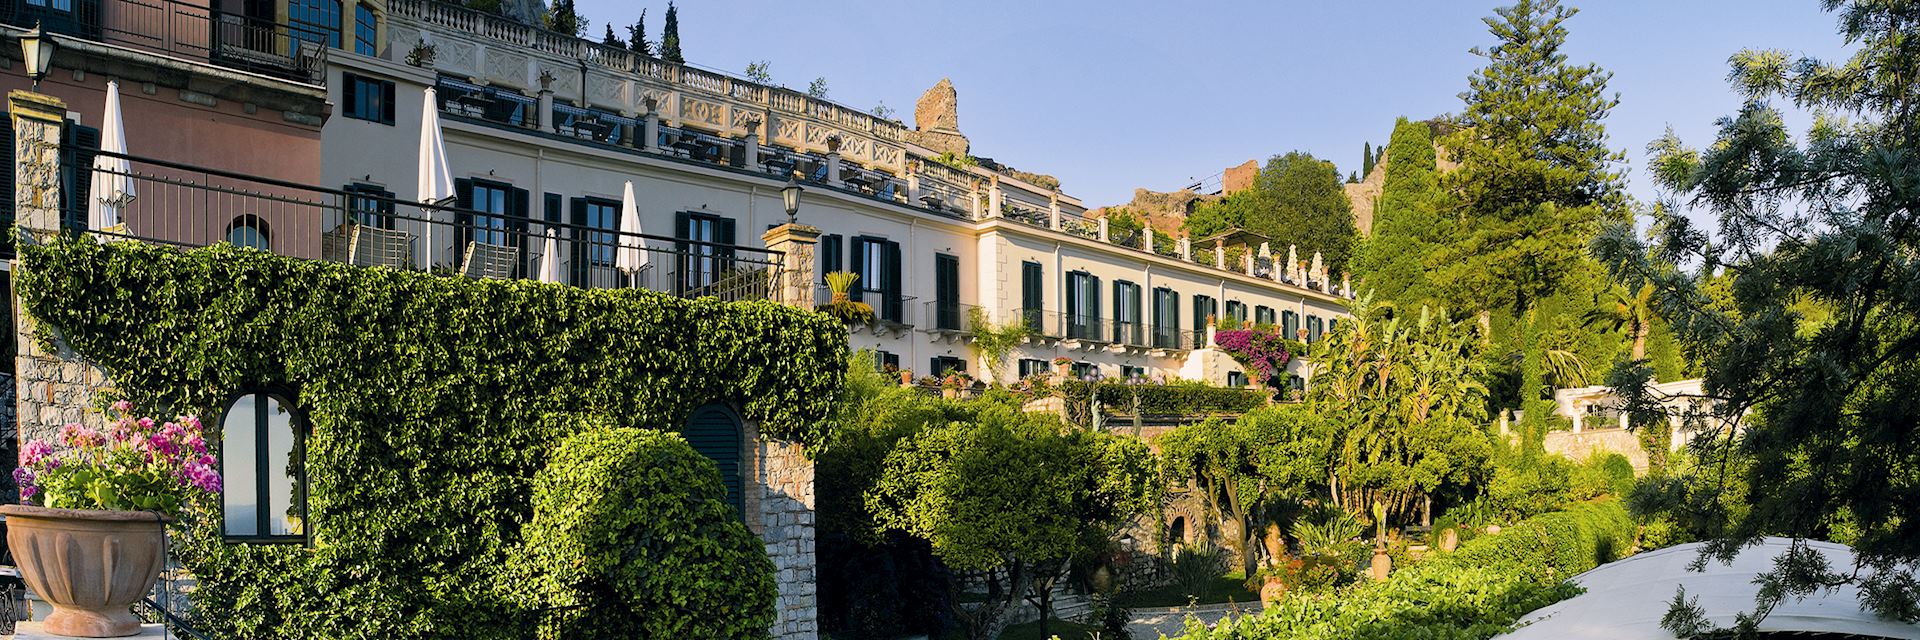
(562, 18)
(1528, 213)
(613, 40)
(670, 37)
(1366, 159)
(637, 36)
(1408, 224)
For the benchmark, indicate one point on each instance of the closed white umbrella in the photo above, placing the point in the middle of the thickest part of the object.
(436, 179)
(550, 260)
(632, 252)
(112, 187)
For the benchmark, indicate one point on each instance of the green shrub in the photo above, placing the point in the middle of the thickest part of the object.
(424, 395)
(1476, 592)
(1172, 399)
(1196, 565)
(631, 537)
(1602, 474)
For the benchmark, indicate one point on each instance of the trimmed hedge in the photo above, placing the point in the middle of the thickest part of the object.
(426, 397)
(1180, 399)
(610, 555)
(1473, 593)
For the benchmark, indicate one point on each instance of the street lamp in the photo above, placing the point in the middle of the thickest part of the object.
(790, 194)
(37, 47)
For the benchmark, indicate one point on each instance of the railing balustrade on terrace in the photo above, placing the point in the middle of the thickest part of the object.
(190, 206)
(290, 49)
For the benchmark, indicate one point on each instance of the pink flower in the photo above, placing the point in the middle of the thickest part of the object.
(146, 423)
(79, 436)
(34, 451)
(122, 406)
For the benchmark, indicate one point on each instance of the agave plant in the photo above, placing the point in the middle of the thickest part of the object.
(839, 283)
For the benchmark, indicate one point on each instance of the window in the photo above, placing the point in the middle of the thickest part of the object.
(830, 255)
(886, 361)
(1083, 305)
(1129, 372)
(705, 252)
(263, 466)
(489, 213)
(1032, 300)
(366, 30)
(1236, 379)
(1238, 311)
(946, 292)
(370, 205)
(1032, 367)
(943, 364)
(249, 231)
(369, 99)
(56, 5)
(1166, 318)
(1290, 325)
(877, 261)
(1085, 370)
(1204, 309)
(716, 432)
(602, 218)
(315, 21)
(1126, 313)
(1315, 326)
(1263, 315)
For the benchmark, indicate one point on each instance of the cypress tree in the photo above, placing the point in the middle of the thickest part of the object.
(1366, 159)
(562, 18)
(613, 40)
(637, 36)
(670, 37)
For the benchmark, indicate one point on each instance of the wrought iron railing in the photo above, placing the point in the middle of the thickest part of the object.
(291, 49)
(190, 206)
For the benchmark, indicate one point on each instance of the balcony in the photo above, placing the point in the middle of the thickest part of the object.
(189, 206)
(286, 50)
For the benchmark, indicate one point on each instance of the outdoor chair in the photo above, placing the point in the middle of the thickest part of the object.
(489, 261)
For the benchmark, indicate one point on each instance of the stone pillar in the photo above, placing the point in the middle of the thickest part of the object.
(833, 168)
(752, 160)
(1579, 417)
(626, 135)
(1186, 249)
(1246, 263)
(546, 110)
(1053, 210)
(996, 200)
(1219, 253)
(913, 188)
(795, 243)
(1146, 239)
(37, 123)
(650, 132)
(1104, 237)
(973, 198)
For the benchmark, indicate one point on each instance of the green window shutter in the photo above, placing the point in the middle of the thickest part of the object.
(715, 432)
(946, 291)
(865, 279)
(892, 283)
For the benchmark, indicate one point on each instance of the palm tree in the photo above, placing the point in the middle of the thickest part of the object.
(1620, 311)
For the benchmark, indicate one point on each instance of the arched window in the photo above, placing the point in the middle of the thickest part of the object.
(249, 231)
(716, 432)
(1177, 532)
(263, 463)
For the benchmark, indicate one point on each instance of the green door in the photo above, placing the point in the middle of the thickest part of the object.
(715, 431)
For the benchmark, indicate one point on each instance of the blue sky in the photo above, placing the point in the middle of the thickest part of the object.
(1113, 95)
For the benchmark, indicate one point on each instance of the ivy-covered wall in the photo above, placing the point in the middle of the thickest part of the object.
(425, 395)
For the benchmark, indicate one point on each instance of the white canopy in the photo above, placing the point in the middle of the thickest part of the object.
(1625, 599)
(436, 178)
(632, 251)
(112, 187)
(550, 259)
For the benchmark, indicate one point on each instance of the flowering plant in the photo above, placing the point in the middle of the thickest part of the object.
(132, 465)
(1262, 350)
(1062, 361)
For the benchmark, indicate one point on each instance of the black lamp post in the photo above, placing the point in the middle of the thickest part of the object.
(37, 47)
(790, 194)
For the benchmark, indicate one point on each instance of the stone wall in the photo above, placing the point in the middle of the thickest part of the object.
(785, 506)
(1238, 178)
(1578, 446)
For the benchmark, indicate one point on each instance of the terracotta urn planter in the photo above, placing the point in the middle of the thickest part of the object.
(1272, 590)
(91, 565)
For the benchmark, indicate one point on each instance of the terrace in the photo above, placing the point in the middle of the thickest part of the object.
(289, 50)
(188, 206)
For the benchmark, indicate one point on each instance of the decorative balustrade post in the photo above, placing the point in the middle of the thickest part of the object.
(627, 134)
(794, 284)
(1053, 210)
(546, 110)
(752, 160)
(650, 131)
(996, 200)
(913, 186)
(1147, 238)
(833, 168)
(1186, 249)
(1219, 253)
(1104, 237)
(973, 198)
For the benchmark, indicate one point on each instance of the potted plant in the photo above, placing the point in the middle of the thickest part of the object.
(1063, 366)
(95, 490)
(840, 306)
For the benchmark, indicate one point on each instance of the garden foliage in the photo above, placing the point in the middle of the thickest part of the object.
(425, 395)
(610, 555)
(1155, 399)
(1473, 593)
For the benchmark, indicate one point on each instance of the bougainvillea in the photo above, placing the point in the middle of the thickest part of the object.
(132, 465)
(1262, 350)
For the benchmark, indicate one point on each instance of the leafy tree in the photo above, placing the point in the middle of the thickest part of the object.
(1632, 312)
(1296, 199)
(613, 40)
(1814, 348)
(1405, 398)
(818, 88)
(562, 17)
(637, 36)
(1409, 222)
(670, 37)
(1014, 496)
(760, 71)
(1247, 470)
(882, 111)
(1535, 177)
(1126, 227)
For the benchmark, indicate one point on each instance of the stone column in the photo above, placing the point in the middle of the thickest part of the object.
(1053, 210)
(627, 134)
(795, 243)
(1186, 249)
(1146, 239)
(546, 110)
(1246, 263)
(973, 198)
(1104, 234)
(833, 168)
(1219, 253)
(37, 123)
(1579, 417)
(752, 160)
(913, 188)
(650, 131)
(996, 201)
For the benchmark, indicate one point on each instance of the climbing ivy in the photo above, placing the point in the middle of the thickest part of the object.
(428, 400)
